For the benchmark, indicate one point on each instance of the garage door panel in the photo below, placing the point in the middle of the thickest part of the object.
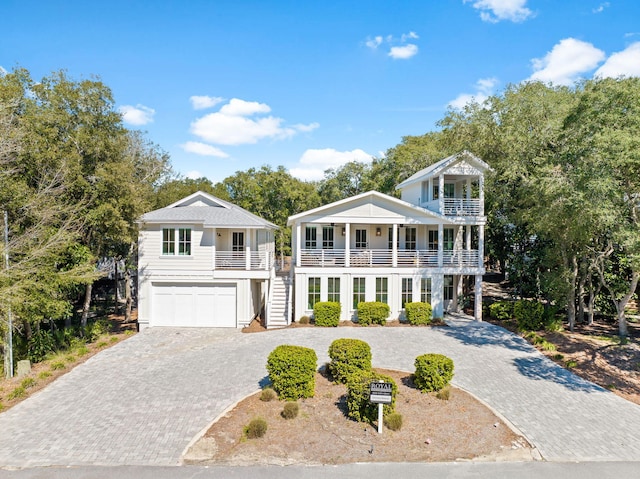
(194, 305)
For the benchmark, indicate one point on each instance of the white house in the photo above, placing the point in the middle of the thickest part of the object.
(206, 262)
(374, 247)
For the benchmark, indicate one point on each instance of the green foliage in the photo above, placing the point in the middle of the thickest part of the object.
(393, 421)
(40, 344)
(348, 356)
(304, 320)
(529, 315)
(256, 428)
(373, 312)
(27, 383)
(570, 364)
(44, 374)
(58, 365)
(290, 410)
(292, 371)
(359, 407)
(418, 313)
(539, 341)
(501, 310)
(17, 393)
(268, 394)
(433, 372)
(327, 313)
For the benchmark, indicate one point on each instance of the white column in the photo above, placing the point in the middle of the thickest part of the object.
(480, 246)
(440, 245)
(297, 242)
(347, 245)
(468, 188)
(437, 295)
(213, 248)
(468, 231)
(478, 296)
(394, 246)
(457, 292)
(481, 189)
(441, 193)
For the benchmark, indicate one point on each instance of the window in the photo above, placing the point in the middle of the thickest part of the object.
(448, 239)
(407, 291)
(425, 290)
(237, 241)
(313, 292)
(310, 237)
(169, 241)
(435, 191)
(327, 237)
(410, 239)
(424, 191)
(448, 288)
(333, 290)
(361, 239)
(382, 290)
(433, 240)
(449, 190)
(358, 291)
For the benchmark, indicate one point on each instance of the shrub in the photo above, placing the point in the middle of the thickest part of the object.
(304, 320)
(393, 421)
(17, 393)
(39, 345)
(433, 372)
(501, 310)
(373, 312)
(44, 374)
(327, 313)
(444, 394)
(570, 364)
(292, 371)
(98, 328)
(256, 428)
(268, 394)
(347, 357)
(81, 351)
(290, 410)
(27, 383)
(358, 405)
(529, 315)
(418, 313)
(58, 365)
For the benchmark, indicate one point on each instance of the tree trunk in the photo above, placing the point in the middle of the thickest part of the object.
(592, 302)
(571, 295)
(86, 305)
(623, 329)
(127, 295)
(581, 305)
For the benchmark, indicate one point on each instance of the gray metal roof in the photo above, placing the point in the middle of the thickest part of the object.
(213, 213)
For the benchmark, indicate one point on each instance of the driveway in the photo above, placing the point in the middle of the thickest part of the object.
(142, 401)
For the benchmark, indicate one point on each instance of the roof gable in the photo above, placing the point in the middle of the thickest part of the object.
(462, 163)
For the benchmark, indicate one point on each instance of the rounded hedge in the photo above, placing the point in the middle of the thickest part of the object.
(433, 372)
(292, 371)
(348, 356)
(418, 313)
(327, 313)
(373, 312)
(358, 388)
(529, 315)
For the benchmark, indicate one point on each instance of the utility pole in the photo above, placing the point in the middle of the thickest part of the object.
(8, 363)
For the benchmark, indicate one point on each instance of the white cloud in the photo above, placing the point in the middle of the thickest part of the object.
(601, 7)
(566, 61)
(496, 10)
(484, 88)
(409, 36)
(313, 163)
(203, 149)
(204, 101)
(194, 175)
(403, 52)
(238, 123)
(137, 115)
(624, 63)
(374, 42)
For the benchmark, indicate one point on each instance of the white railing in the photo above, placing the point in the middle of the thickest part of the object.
(418, 258)
(257, 260)
(322, 257)
(461, 207)
(371, 257)
(460, 258)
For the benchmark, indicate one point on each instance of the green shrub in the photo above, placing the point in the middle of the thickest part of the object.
(44, 374)
(433, 372)
(39, 345)
(290, 410)
(358, 388)
(97, 329)
(292, 371)
(304, 320)
(570, 364)
(256, 428)
(27, 383)
(347, 357)
(17, 393)
(58, 365)
(444, 394)
(268, 394)
(529, 315)
(393, 421)
(327, 313)
(81, 351)
(501, 310)
(418, 313)
(373, 312)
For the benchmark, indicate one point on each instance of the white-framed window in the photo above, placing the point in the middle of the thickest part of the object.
(425, 290)
(433, 240)
(361, 239)
(327, 237)
(237, 241)
(447, 242)
(310, 241)
(171, 247)
(382, 290)
(359, 289)
(410, 238)
(448, 287)
(407, 291)
(333, 289)
(449, 190)
(313, 292)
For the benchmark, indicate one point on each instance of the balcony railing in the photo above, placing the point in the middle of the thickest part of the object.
(461, 207)
(256, 260)
(372, 258)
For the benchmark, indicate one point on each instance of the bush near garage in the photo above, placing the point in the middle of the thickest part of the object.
(292, 371)
(501, 310)
(327, 313)
(373, 312)
(529, 315)
(359, 407)
(348, 356)
(433, 372)
(418, 313)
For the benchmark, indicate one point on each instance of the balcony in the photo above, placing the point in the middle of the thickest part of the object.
(462, 207)
(379, 258)
(243, 260)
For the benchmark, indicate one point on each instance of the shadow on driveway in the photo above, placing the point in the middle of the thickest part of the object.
(543, 369)
(476, 334)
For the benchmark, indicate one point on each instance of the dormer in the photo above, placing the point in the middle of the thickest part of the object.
(453, 186)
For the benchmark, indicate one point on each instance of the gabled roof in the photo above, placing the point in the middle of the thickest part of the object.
(435, 169)
(208, 210)
(371, 195)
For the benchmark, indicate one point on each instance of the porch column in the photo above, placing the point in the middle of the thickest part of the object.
(297, 234)
(481, 246)
(441, 193)
(477, 310)
(394, 246)
(440, 245)
(347, 244)
(247, 250)
(213, 248)
(458, 293)
(481, 196)
(468, 188)
(468, 231)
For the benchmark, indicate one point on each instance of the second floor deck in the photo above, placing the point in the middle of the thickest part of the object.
(370, 258)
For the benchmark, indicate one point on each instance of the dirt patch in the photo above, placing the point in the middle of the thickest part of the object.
(460, 428)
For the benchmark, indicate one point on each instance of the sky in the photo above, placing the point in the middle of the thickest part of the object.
(224, 86)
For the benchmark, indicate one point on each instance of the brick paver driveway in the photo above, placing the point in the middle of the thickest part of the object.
(142, 401)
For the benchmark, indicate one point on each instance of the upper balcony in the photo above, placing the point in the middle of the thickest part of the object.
(379, 258)
(244, 260)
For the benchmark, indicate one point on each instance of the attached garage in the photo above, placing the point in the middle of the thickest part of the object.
(196, 305)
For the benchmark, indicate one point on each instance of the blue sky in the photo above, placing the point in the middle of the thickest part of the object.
(228, 85)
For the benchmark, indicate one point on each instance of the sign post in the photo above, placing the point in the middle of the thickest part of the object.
(380, 393)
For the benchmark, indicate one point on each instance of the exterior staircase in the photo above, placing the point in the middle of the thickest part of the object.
(280, 311)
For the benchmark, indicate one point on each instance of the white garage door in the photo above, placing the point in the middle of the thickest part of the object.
(194, 305)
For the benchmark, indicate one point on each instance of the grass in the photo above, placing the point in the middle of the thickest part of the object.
(44, 374)
(570, 364)
(539, 341)
(17, 393)
(28, 383)
(444, 394)
(55, 365)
